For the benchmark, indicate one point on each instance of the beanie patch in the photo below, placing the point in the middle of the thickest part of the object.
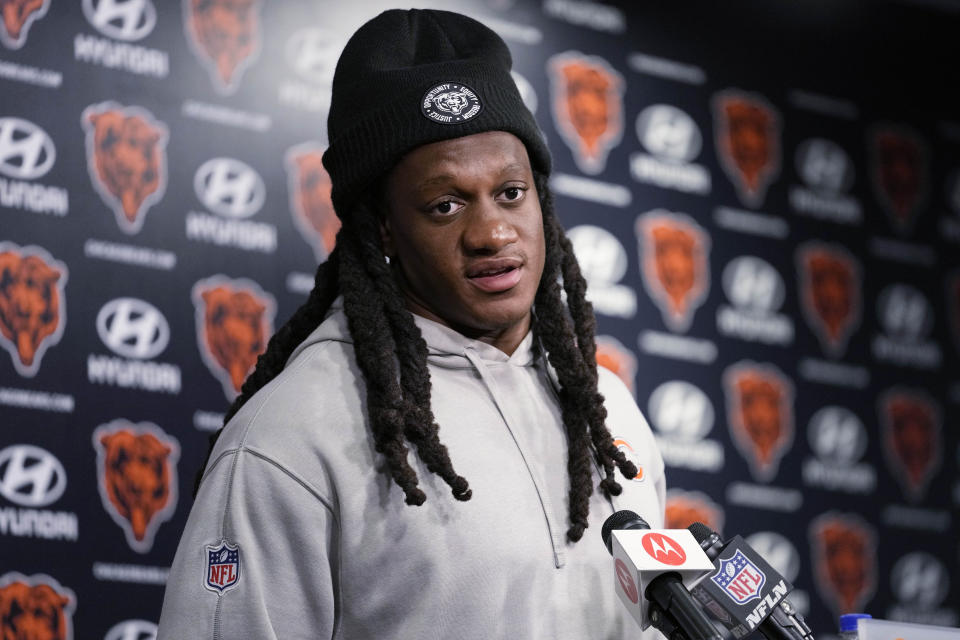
(450, 103)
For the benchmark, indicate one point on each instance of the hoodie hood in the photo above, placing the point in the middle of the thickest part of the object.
(446, 347)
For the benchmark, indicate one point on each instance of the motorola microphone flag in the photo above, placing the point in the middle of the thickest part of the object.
(641, 555)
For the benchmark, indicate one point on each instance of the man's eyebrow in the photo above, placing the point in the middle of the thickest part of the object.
(439, 179)
(513, 166)
(445, 178)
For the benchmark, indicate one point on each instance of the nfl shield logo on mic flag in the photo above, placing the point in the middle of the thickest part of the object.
(739, 578)
(223, 567)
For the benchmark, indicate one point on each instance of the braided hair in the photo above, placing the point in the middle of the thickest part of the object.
(392, 357)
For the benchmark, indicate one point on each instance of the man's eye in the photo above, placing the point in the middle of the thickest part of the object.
(513, 193)
(446, 207)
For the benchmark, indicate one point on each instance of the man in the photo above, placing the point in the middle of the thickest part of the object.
(437, 322)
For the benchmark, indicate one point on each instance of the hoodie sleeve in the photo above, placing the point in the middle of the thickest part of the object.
(257, 558)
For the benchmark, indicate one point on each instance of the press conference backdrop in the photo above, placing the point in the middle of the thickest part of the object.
(767, 213)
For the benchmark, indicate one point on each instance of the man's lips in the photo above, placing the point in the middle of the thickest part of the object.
(495, 274)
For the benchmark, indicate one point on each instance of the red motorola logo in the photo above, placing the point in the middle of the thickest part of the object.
(626, 581)
(663, 549)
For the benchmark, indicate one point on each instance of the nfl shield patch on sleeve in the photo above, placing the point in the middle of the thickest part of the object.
(222, 567)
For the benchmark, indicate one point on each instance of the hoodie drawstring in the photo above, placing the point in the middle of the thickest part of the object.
(555, 529)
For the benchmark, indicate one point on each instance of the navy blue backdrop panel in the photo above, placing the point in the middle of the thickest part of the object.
(764, 199)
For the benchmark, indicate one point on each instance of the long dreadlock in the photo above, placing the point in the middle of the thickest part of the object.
(398, 397)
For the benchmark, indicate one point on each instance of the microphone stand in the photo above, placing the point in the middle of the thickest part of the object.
(678, 618)
(662, 622)
(790, 624)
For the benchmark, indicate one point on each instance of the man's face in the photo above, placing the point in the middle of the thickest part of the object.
(464, 233)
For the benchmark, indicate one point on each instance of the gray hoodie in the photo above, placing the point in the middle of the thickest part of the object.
(297, 532)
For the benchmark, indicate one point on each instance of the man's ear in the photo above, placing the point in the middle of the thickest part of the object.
(386, 238)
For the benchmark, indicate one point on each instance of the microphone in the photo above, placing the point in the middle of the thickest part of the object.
(658, 566)
(745, 593)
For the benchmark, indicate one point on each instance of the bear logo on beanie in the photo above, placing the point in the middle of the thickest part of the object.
(450, 103)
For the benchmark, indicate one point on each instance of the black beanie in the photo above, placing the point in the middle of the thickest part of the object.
(408, 78)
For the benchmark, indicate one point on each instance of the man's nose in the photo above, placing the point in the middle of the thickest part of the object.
(489, 228)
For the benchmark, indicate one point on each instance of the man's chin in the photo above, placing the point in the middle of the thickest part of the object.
(494, 319)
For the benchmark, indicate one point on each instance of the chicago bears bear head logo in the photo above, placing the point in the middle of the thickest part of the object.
(686, 507)
(587, 107)
(845, 561)
(234, 322)
(748, 143)
(830, 285)
(127, 160)
(225, 36)
(612, 355)
(674, 250)
(452, 102)
(16, 16)
(899, 174)
(760, 415)
(35, 608)
(137, 476)
(310, 202)
(911, 438)
(32, 304)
